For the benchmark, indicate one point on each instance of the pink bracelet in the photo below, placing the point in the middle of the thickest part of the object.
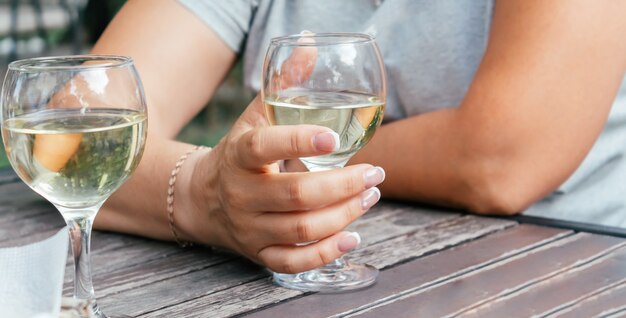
(170, 194)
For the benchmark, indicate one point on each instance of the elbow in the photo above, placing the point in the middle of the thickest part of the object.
(500, 175)
(493, 188)
(490, 203)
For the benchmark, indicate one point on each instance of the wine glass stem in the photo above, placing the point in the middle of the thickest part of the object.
(338, 263)
(80, 223)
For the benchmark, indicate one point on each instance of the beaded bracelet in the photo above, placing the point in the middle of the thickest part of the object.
(170, 194)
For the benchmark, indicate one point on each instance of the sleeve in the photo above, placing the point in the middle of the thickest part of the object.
(229, 19)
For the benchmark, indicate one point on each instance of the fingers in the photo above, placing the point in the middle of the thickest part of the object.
(292, 259)
(293, 166)
(262, 146)
(54, 151)
(298, 191)
(297, 68)
(298, 227)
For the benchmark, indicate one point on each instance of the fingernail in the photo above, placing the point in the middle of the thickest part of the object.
(327, 141)
(369, 198)
(374, 176)
(306, 32)
(349, 242)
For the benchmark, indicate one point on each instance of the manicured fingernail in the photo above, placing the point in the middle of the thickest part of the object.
(327, 141)
(369, 198)
(374, 176)
(349, 242)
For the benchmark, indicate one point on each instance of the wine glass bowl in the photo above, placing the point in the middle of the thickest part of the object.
(353, 116)
(74, 130)
(336, 80)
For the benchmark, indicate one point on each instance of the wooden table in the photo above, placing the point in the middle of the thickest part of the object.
(434, 263)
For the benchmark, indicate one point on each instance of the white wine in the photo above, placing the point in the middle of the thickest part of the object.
(72, 157)
(353, 116)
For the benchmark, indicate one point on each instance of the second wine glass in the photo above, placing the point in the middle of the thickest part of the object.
(74, 130)
(336, 80)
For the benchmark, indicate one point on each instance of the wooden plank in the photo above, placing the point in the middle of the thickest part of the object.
(580, 282)
(164, 293)
(111, 252)
(389, 219)
(421, 273)
(109, 262)
(103, 242)
(32, 227)
(10, 211)
(378, 223)
(17, 195)
(619, 314)
(143, 272)
(122, 258)
(259, 293)
(25, 217)
(481, 287)
(30, 218)
(596, 305)
(428, 240)
(18, 201)
(115, 261)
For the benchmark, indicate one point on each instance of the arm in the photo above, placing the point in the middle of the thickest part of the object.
(181, 63)
(538, 102)
(232, 196)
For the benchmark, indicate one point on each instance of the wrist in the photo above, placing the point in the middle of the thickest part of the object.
(194, 202)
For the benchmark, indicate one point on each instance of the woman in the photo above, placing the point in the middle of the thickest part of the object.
(505, 105)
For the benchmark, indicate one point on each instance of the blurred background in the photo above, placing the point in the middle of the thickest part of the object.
(32, 28)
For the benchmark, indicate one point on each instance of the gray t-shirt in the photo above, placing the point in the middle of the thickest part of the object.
(431, 50)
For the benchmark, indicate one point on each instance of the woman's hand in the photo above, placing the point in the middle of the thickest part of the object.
(233, 196)
(239, 200)
(249, 206)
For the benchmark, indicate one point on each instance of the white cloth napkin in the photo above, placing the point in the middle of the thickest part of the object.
(31, 277)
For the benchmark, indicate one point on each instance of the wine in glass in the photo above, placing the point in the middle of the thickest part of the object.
(336, 80)
(74, 130)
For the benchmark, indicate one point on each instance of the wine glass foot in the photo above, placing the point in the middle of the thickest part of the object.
(97, 313)
(330, 278)
(94, 312)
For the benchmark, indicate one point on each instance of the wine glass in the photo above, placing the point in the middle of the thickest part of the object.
(336, 80)
(74, 129)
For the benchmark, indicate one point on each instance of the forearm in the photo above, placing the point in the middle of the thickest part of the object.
(139, 206)
(428, 164)
(181, 62)
(445, 160)
(538, 102)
